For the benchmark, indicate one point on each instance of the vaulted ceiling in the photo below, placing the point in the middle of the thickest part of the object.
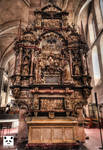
(12, 11)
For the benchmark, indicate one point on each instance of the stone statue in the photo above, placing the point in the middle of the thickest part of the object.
(84, 65)
(66, 71)
(77, 70)
(39, 65)
(25, 70)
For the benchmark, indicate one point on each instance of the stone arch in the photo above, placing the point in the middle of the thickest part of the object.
(8, 57)
(98, 14)
(60, 35)
(14, 24)
(7, 29)
(85, 5)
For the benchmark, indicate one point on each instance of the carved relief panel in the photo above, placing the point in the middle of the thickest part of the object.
(51, 57)
(51, 104)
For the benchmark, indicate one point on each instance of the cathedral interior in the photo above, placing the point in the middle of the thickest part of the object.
(51, 68)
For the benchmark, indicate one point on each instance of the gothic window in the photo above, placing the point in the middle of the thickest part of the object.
(95, 62)
(98, 13)
(101, 6)
(92, 31)
(101, 48)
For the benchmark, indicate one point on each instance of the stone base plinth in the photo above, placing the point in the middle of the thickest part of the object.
(54, 131)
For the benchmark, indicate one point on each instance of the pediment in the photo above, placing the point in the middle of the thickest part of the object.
(51, 8)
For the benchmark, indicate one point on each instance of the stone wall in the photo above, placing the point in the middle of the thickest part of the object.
(1, 79)
(91, 16)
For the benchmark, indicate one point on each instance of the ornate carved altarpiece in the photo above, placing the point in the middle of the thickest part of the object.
(51, 79)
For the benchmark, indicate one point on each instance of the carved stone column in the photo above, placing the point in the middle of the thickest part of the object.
(80, 115)
(1, 81)
(8, 86)
(18, 62)
(22, 135)
(31, 71)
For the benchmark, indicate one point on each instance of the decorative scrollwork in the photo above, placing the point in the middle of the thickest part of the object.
(51, 60)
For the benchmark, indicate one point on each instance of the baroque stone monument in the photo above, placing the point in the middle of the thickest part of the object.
(51, 82)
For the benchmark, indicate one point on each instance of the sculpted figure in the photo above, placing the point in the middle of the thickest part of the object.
(67, 75)
(17, 80)
(51, 60)
(16, 92)
(26, 61)
(36, 102)
(37, 73)
(36, 68)
(39, 66)
(68, 104)
(77, 70)
(26, 70)
(84, 64)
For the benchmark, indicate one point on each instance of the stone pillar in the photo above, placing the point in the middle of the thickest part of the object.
(22, 134)
(31, 71)
(80, 115)
(7, 94)
(1, 82)
(8, 86)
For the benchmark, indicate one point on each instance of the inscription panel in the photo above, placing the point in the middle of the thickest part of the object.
(36, 134)
(46, 134)
(68, 134)
(52, 134)
(52, 79)
(51, 104)
(57, 134)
